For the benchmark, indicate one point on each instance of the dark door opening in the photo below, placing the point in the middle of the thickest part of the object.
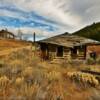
(74, 51)
(45, 52)
(60, 51)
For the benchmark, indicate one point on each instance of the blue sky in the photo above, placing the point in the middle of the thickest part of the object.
(48, 17)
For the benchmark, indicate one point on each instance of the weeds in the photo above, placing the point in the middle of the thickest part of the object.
(83, 78)
(23, 76)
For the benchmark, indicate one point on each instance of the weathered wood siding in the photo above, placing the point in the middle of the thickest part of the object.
(6, 35)
(81, 52)
(52, 51)
(95, 48)
(67, 53)
(49, 51)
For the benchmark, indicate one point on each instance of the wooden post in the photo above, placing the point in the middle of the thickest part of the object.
(85, 54)
(34, 35)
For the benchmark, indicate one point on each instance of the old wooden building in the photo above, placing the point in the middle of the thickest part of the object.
(65, 46)
(7, 35)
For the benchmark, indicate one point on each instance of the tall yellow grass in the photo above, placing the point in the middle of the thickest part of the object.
(23, 76)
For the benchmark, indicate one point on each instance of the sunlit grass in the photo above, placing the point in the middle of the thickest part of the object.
(24, 76)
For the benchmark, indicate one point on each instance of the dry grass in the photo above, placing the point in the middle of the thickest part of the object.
(25, 77)
(9, 45)
(83, 78)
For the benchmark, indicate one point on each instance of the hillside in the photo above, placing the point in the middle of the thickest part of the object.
(92, 31)
(9, 45)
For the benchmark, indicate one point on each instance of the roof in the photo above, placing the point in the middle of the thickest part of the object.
(68, 40)
(6, 32)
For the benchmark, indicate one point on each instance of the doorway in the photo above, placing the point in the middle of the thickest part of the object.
(60, 51)
(44, 52)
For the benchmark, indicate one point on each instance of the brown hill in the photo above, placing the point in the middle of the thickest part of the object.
(9, 45)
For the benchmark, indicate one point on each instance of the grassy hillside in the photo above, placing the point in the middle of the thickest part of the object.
(9, 45)
(92, 31)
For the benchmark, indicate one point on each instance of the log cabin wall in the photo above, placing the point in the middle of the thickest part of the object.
(52, 51)
(78, 52)
(49, 51)
(6, 35)
(81, 52)
(67, 53)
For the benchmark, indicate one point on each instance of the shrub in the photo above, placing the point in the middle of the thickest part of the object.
(90, 61)
(85, 78)
(98, 60)
(4, 81)
(28, 75)
(19, 81)
(1, 63)
(53, 75)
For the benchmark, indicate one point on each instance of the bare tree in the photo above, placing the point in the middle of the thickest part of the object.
(20, 34)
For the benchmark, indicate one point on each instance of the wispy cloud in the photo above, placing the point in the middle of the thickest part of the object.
(48, 16)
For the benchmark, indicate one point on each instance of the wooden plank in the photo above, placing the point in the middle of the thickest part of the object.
(91, 72)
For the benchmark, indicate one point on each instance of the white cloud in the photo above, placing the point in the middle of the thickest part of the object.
(28, 30)
(69, 14)
(52, 9)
